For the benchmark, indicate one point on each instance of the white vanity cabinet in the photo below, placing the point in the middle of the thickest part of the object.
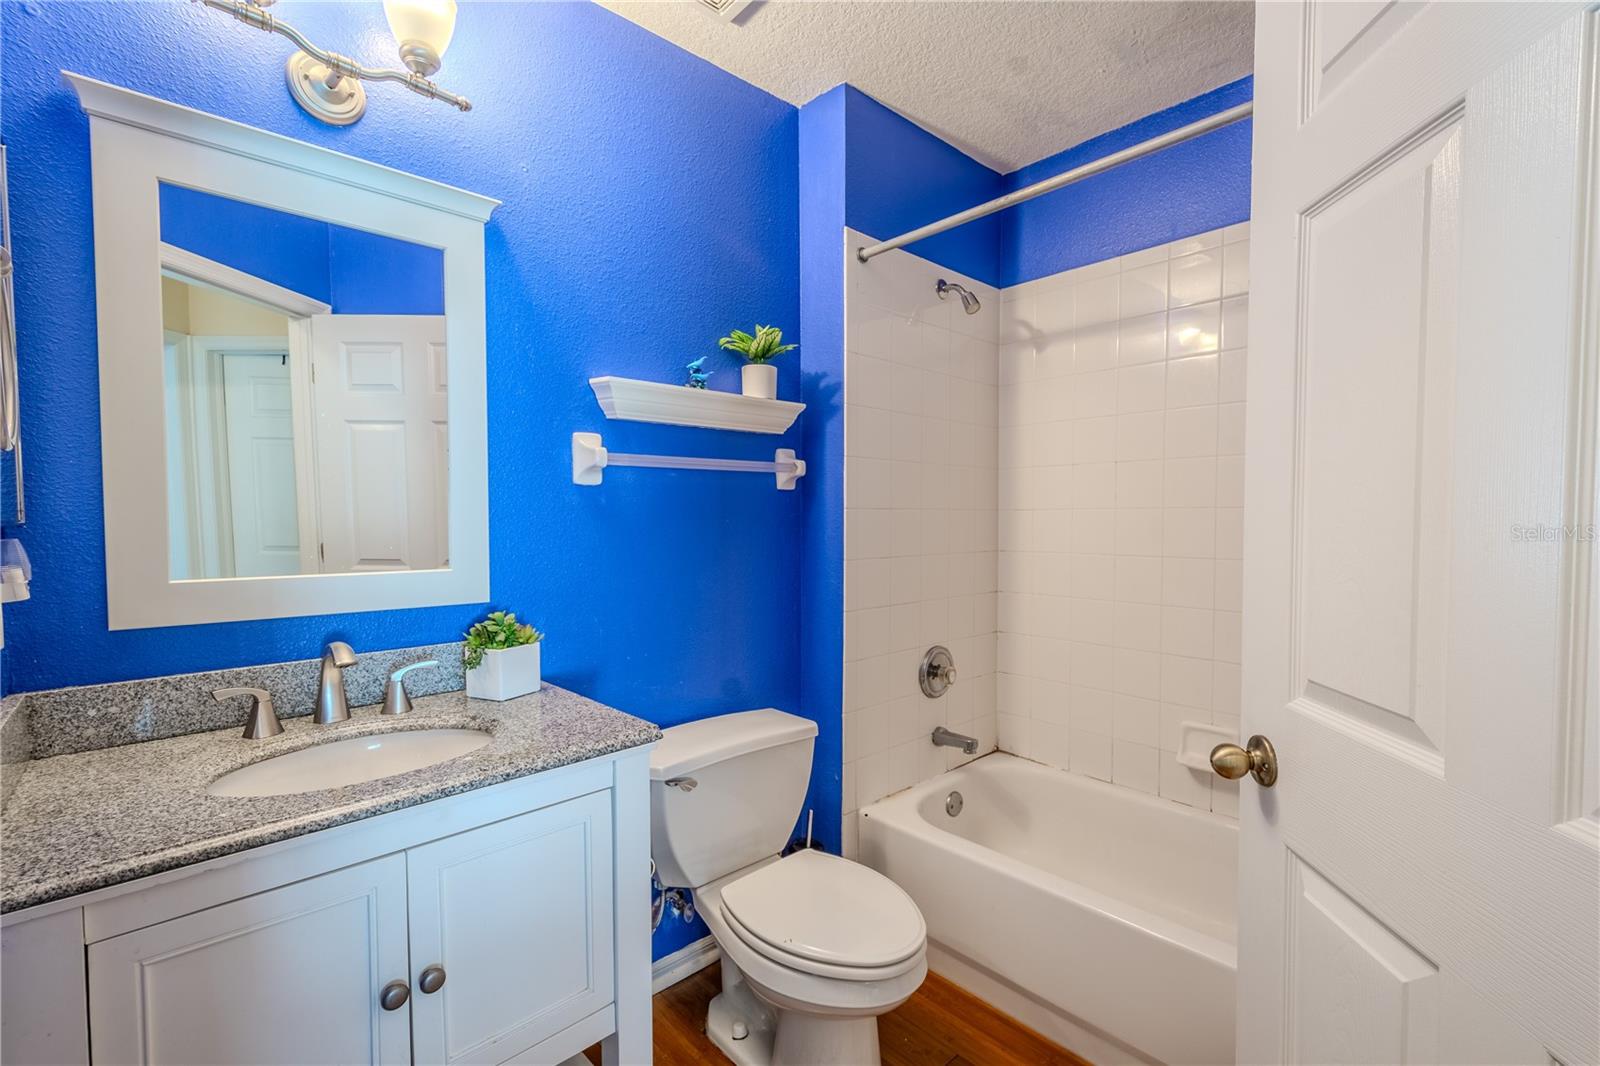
(507, 924)
(290, 975)
(516, 916)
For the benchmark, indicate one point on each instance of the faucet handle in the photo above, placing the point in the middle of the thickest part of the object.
(261, 721)
(395, 698)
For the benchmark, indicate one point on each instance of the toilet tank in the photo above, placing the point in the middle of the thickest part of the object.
(749, 771)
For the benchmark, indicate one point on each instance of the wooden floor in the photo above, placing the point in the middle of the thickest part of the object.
(942, 1025)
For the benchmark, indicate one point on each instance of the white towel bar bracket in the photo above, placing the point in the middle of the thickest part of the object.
(590, 459)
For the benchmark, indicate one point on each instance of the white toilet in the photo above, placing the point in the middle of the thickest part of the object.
(814, 947)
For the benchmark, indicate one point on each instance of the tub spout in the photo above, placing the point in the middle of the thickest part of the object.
(944, 738)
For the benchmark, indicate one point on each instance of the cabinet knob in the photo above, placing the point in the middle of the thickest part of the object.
(432, 979)
(394, 995)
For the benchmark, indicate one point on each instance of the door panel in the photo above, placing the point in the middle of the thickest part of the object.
(1377, 359)
(1346, 964)
(519, 915)
(374, 455)
(287, 976)
(1342, 35)
(1421, 883)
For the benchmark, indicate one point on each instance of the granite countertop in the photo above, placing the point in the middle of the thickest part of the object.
(77, 822)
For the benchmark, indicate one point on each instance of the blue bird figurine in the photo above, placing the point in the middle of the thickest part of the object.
(697, 373)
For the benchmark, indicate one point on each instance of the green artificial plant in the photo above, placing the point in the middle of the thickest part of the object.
(496, 633)
(761, 348)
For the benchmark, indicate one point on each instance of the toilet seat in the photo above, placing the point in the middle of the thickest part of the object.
(827, 916)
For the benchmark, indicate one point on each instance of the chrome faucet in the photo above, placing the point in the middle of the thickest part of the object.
(944, 738)
(331, 704)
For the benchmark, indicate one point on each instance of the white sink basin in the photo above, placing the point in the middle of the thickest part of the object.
(348, 762)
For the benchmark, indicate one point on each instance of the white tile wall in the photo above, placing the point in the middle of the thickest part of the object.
(921, 454)
(1121, 449)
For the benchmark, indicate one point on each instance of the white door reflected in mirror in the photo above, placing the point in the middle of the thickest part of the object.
(306, 394)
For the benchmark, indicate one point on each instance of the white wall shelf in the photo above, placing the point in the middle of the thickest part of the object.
(678, 405)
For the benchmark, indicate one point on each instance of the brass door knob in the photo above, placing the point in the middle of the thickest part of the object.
(394, 995)
(1257, 758)
(432, 979)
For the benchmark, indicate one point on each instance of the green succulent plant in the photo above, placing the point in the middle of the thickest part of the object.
(761, 348)
(496, 633)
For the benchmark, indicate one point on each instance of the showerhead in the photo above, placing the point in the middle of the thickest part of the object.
(969, 302)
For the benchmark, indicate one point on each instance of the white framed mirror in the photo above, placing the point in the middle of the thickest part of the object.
(293, 410)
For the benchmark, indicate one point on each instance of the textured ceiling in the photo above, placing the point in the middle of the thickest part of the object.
(1006, 81)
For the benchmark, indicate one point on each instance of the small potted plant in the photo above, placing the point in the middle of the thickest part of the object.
(502, 658)
(759, 377)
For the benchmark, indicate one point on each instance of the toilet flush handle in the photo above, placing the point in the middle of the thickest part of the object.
(687, 784)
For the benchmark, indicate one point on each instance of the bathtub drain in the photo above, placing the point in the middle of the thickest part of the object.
(953, 804)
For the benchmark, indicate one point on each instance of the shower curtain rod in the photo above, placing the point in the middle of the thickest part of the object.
(1065, 178)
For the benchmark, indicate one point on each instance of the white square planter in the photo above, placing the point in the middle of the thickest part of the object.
(505, 674)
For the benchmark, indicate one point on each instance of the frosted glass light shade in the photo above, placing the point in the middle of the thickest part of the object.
(423, 28)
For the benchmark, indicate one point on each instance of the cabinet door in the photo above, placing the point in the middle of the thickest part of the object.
(286, 976)
(518, 914)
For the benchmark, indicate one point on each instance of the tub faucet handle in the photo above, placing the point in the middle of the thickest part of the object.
(261, 721)
(396, 700)
(937, 672)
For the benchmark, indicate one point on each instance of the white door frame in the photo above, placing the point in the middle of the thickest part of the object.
(183, 461)
(186, 266)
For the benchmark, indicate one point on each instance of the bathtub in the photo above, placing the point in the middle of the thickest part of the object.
(1103, 917)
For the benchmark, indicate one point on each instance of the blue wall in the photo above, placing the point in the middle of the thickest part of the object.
(370, 274)
(356, 272)
(1196, 186)
(627, 244)
(822, 219)
(288, 250)
(898, 176)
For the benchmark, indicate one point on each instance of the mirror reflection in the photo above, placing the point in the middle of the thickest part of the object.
(305, 383)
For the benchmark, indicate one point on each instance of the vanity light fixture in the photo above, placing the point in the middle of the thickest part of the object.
(327, 85)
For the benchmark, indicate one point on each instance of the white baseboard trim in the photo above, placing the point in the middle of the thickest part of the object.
(685, 962)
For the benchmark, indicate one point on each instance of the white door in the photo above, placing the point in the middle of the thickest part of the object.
(516, 920)
(382, 441)
(1423, 882)
(261, 473)
(292, 975)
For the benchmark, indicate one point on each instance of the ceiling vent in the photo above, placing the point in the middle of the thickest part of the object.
(726, 10)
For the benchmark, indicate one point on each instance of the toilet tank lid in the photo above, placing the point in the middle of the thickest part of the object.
(693, 745)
